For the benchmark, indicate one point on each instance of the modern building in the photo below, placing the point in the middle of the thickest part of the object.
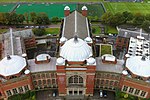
(75, 71)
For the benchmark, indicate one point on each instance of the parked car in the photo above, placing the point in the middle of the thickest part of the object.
(101, 93)
(105, 93)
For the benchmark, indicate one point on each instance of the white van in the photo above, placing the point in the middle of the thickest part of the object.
(101, 93)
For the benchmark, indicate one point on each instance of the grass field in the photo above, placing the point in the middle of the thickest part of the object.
(51, 9)
(10, 1)
(6, 7)
(114, 7)
(105, 49)
(52, 30)
(93, 10)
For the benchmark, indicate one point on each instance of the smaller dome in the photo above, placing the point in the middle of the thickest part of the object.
(11, 65)
(24, 55)
(67, 8)
(84, 8)
(88, 39)
(90, 60)
(42, 57)
(27, 71)
(124, 72)
(60, 61)
(127, 55)
(63, 39)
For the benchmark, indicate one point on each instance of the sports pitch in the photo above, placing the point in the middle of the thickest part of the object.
(49, 8)
(114, 7)
(93, 10)
(6, 7)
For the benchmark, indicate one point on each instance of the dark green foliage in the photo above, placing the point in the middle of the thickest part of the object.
(146, 26)
(27, 96)
(39, 31)
(42, 18)
(55, 20)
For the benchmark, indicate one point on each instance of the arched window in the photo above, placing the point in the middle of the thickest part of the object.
(75, 80)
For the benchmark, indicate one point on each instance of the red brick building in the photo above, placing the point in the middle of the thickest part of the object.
(75, 70)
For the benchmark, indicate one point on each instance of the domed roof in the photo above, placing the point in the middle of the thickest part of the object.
(60, 61)
(84, 8)
(138, 66)
(67, 8)
(42, 57)
(63, 39)
(12, 65)
(91, 61)
(88, 39)
(76, 50)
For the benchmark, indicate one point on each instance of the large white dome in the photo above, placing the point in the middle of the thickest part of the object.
(75, 50)
(138, 66)
(12, 66)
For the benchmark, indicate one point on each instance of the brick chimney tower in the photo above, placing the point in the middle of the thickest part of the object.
(66, 11)
(84, 11)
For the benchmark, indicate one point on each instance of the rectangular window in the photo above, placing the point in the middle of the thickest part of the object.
(70, 92)
(131, 90)
(35, 82)
(80, 92)
(111, 82)
(38, 76)
(15, 91)
(137, 92)
(143, 93)
(33, 76)
(47, 75)
(75, 92)
(102, 81)
(43, 75)
(8, 93)
(106, 82)
(44, 82)
(26, 88)
(125, 88)
(20, 90)
(53, 81)
(48, 81)
(39, 82)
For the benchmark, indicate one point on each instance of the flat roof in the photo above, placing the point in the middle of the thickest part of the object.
(116, 68)
(51, 66)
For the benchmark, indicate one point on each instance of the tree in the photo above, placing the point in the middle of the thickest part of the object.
(39, 31)
(55, 19)
(21, 18)
(146, 26)
(26, 15)
(2, 18)
(42, 18)
(117, 19)
(107, 17)
(128, 16)
(12, 18)
(33, 17)
(147, 17)
(138, 19)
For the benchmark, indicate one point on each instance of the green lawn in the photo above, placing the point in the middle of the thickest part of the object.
(3, 30)
(52, 30)
(93, 9)
(114, 7)
(6, 7)
(97, 30)
(111, 30)
(50, 1)
(49, 8)
(105, 49)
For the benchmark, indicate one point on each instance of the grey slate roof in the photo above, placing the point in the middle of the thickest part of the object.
(116, 68)
(70, 26)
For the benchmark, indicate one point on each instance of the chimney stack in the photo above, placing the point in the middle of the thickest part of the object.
(84, 11)
(66, 11)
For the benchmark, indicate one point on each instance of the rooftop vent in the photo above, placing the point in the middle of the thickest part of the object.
(143, 58)
(8, 57)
